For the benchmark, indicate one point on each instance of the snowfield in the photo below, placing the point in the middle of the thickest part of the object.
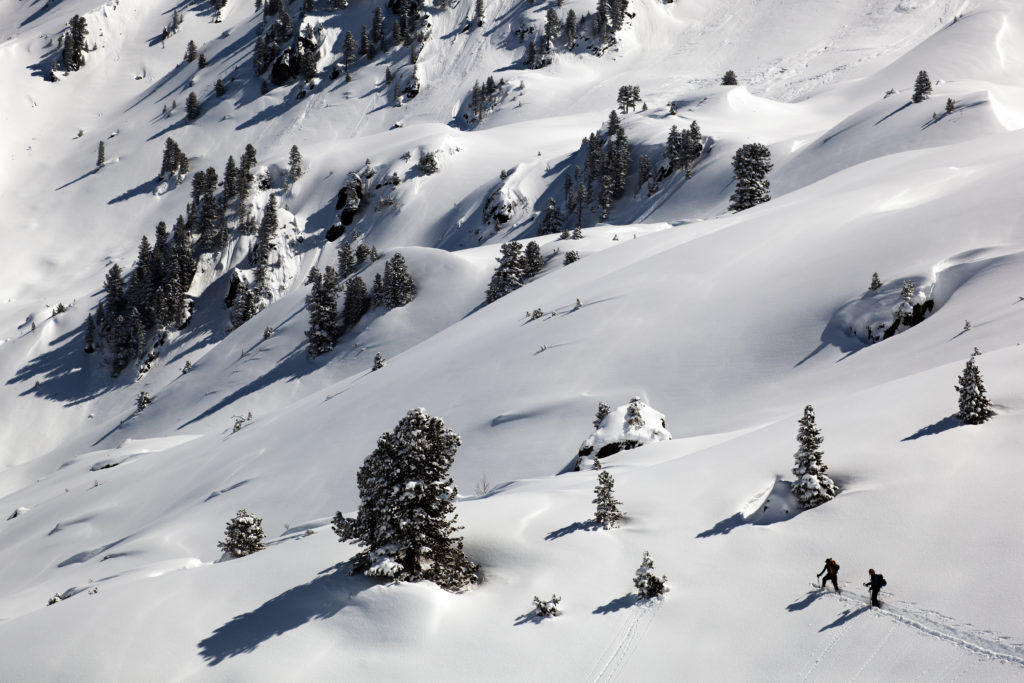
(727, 324)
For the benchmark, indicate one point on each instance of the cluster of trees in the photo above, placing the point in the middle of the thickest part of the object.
(515, 267)
(153, 298)
(484, 98)
(283, 51)
(395, 289)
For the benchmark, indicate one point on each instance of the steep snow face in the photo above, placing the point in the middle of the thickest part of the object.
(729, 323)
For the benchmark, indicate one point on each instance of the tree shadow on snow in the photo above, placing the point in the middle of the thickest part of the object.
(846, 616)
(589, 525)
(147, 187)
(942, 425)
(321, 598)
(624, 602)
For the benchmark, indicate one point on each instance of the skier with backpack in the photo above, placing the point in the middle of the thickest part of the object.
(875, 583)
(831, 572)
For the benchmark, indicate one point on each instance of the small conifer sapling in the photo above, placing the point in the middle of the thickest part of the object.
(648, 585)
(608, 514)
(244, 535)
(546, 608)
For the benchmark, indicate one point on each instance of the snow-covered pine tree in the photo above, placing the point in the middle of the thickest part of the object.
(647, 584)
(813, 485)
(607, 514)
(399, 289)
(260, 255)
(552, 219)
(73, 52)
(729, 78)
(245, 306)
(357, 302)
(478, 12)
(294, 164)
(192, 109)
(508, 276)
(322, 304)
(975, 407)
(378, 362)
(750, 165)
(950, 105)
(571, 256)
(346, 260)
(546, 608)
(244, 535)
(533, 261)
(876, 283)
(406, 516)
(428, 163)
(602, 412)
(922, 87)
(191, 51)
(142, 400)
(693, 147)
(634, 413)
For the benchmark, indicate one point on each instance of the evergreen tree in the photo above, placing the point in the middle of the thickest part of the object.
(478, 12)
(378, 362)
(219, 88)
(628, 98)
(552, 220)
(399, 288)
(692, 148)
(552, 28)
(813, 485)
(508, 276)
(244, 307)
(608, 514)
(362, 253)
(346, 260)
(876, 283)
(377, 291)
(192, 109)
(294, 164)
(191, 51)
(73, 52)
(101, 155)
(322, 304)
(348, 49)
(922, 87)
(647, 584)
(533, 261)
(357, 302)
(89, 345)
(244, 535)
(571, 256)
(750, 165)
(571, 30)
(674, 148)
(729, 78)
(950, 105)
(974, 405)
(142, 400)
(230, 179)
(264, 242)
(406, 516)
(202, 60)
(428, 163)
(377, 26)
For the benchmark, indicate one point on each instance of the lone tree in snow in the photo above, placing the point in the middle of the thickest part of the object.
(876, 282)
(648, 585)
(547, 608)
(922, 87)
(322, 304)
(243, 536)
(974, 405)
(602, 412)
(294, 164)
(406, 516)
(750, 166)
(192, 108)
(608, 514)
(72, 54)
(813, 485)
(142, 400)
(729, 78)
(378, 362)
(428, 163)
(101, 154)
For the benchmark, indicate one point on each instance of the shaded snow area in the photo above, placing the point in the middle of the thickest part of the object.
(116, 491)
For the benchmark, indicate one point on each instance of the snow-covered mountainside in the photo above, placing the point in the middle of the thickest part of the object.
(446, 138)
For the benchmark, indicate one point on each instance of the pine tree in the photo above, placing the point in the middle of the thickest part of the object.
(478, 12)
(729, 78)
(357, 302)
(813, 485)
(428, 163)
(975, 407)
(264, 242)
(191, 51)
(245, 306)
(244, 535)
(533, 261)
(202, 60)
(89, 343)
(692, 148)
(750, 165)
(294, 164)
(192, 109)
(647, 584)
(378, 362)
(608, 514)
(546, 608)
(602, 412)
(73, 52)
(322, 304)
(346, 260)
(674, 148)
(219, 88)
(508, 276)
(571, 256)
(922, 87)
(950, 105)
(142, 400)
(406, 516)
(399, 288)
(571, 29)
(553, 219)
(628, 98)
(876, 283)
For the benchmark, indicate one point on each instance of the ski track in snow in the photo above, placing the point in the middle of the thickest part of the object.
(818, 659)
(979, 641)
(625, 642)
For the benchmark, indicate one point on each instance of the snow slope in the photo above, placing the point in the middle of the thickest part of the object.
(728, 324)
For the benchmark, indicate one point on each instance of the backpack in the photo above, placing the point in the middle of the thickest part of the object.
(881, 581)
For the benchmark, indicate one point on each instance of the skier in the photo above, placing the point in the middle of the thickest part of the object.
(831, 572)
(874, 584)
